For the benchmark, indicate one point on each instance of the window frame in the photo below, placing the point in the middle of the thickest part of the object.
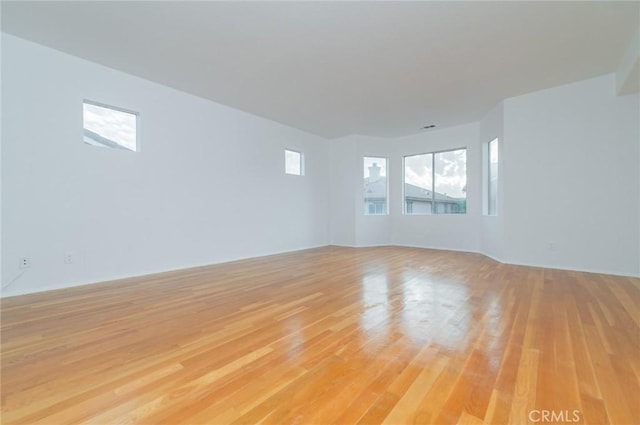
(301, 162)
(404, 182)
(118, 109)
(488, 210)
(433, 183)
(386, 199)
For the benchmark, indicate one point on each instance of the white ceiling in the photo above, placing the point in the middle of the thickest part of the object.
(337, 68)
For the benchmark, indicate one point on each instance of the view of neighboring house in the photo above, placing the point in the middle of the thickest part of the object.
(375, 192)
(93, 138)
(417, 200)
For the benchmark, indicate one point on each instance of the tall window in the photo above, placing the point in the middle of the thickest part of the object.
(436, 183)
(492, 177)
(418, 184)
(109, 127)
(293, 163)
(375, 186)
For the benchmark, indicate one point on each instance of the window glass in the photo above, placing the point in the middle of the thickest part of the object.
(375, 186)
(109, 127)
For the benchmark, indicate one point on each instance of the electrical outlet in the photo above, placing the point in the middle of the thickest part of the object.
(24, 263)
(68, 257)
(552, 246)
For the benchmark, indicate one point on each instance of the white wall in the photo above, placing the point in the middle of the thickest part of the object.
(628, 73)
(566, 155)
(455, 232)
(572, 178)
(349, 225)
(442, 231)
(492, 227)
(372, 230)
(343, 204)
(208, 184)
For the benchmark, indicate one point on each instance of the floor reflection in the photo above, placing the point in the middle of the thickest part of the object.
(425, 308)
(295, 336)
(434, 311)
(374, 320)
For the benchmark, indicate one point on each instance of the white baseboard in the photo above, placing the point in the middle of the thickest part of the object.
(569, 268)
(437, 248)
(137, 275)
(510, 262)
(114, 277)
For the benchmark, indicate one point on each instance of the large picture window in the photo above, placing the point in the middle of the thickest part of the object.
(375, 186)
(436, 183)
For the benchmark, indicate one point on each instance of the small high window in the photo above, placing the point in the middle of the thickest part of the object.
(293, 163)
(109, 127)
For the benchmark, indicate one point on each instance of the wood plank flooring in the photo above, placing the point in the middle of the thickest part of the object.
(329, 336)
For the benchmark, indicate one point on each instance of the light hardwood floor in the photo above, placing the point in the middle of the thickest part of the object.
(329, 335)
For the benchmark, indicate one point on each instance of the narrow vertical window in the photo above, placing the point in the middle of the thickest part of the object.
(293, 162)
(492, 178)
(375, 186)
(109, 127)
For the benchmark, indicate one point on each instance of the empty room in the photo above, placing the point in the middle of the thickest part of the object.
(320, 212)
